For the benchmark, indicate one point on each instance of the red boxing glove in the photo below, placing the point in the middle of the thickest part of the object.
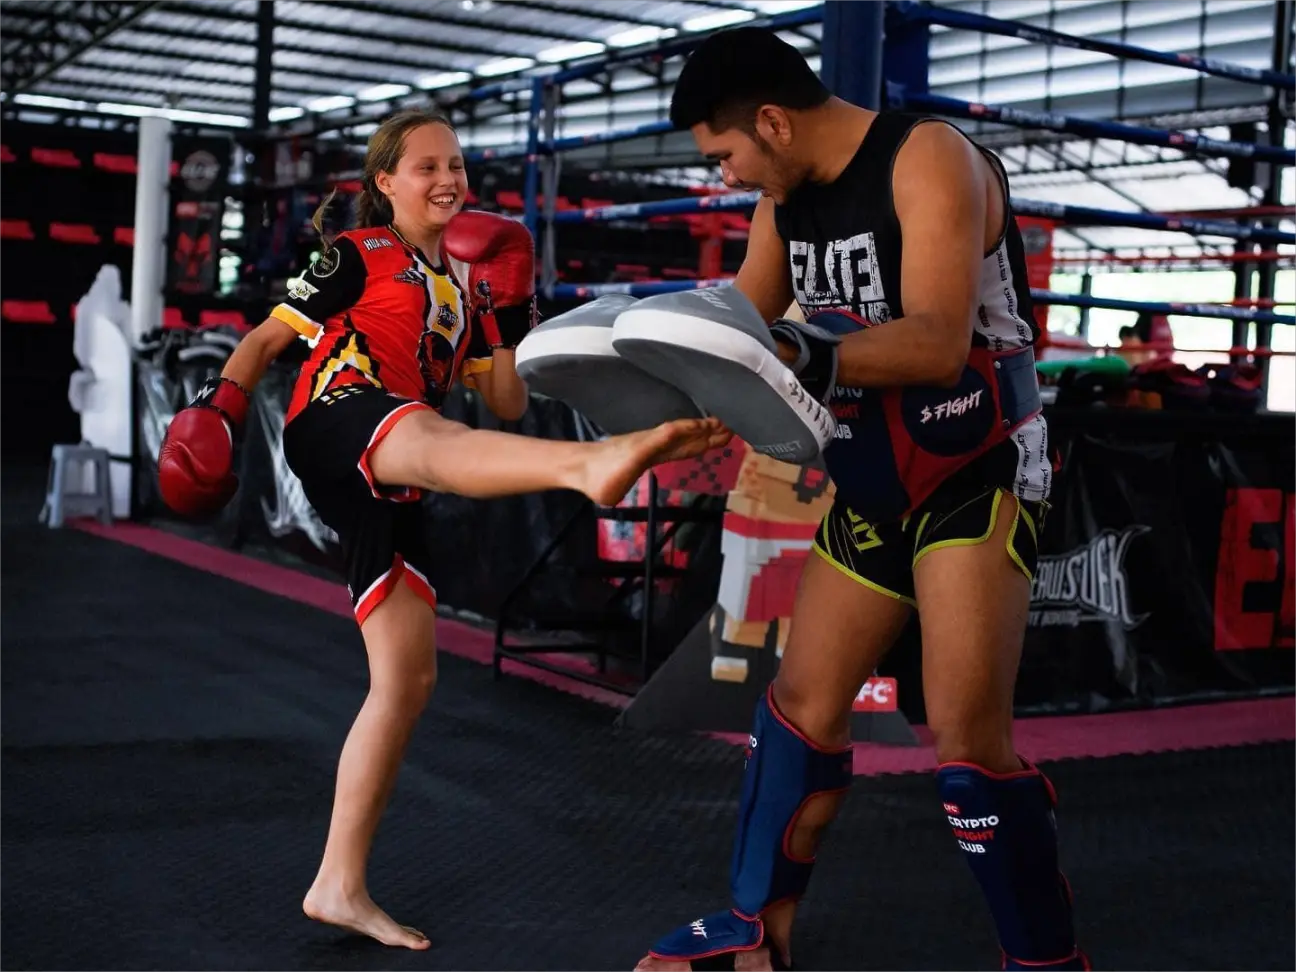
(501, 281)
(196, 461)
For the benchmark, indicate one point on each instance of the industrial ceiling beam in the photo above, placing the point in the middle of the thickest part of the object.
(44, 54)
(144, 49)
(447, 20)
(248, 44)
(350, 32)
(143, 97)
(176, 80)
(601, 12)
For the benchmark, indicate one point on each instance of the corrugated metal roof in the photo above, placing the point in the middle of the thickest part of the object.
(199, 56)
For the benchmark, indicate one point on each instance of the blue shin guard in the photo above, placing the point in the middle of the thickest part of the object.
(784, 771)
(1005, 826)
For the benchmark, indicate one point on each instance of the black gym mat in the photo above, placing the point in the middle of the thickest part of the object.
(169, 743)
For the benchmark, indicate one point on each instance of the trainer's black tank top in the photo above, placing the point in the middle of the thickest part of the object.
(844, 244)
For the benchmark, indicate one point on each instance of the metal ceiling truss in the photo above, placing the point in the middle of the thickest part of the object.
(42, 39)
(511, 106)
(351, 33)
(430, 66)
(1178, 121)
(136, 42)
(359, 33)
(1065, 161)
(178, 84)
(62, 35)
(439, 19)
(326, 77)
(119, 94)
(598, 14)
(1054, 162)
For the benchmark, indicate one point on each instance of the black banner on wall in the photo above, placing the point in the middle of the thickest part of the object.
(199, 182)
(1166, 568)
(67, 196)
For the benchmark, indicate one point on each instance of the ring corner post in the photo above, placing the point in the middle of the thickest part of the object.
(852, 51)
(905, 52)
(152, 191)
(1272, 184)
(546, 240)
(531, 209)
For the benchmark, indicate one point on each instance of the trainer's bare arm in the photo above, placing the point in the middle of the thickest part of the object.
(765, 278)
(939, 188)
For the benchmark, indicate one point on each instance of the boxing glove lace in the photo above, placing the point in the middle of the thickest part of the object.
(196, 461)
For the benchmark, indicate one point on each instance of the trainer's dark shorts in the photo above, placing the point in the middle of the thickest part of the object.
(882, 556)
(328, 446)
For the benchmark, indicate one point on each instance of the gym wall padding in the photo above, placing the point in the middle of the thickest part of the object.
(67, 209)
(68, 201)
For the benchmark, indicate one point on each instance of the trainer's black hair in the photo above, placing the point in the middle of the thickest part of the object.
(733, 72)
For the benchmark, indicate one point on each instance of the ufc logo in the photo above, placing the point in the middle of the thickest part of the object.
(877, 695)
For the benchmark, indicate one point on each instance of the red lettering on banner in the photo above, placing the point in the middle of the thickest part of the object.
(877, 695)
(1239, 625)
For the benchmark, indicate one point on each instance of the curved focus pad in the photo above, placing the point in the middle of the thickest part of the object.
(713, 344)
(570, 357)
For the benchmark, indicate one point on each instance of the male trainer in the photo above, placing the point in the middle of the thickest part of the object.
(893, 234)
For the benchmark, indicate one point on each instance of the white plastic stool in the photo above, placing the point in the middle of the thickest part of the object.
(66, 465)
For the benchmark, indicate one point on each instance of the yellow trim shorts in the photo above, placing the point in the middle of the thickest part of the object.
(882, 556)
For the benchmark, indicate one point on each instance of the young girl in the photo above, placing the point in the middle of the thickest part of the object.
(396, 310)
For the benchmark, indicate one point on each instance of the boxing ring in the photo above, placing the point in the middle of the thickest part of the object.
(743, 522)
(770, 513)
(170, 741)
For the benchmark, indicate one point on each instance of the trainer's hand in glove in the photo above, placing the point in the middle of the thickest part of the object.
(196, 461)
(501, 283)
(811, 353)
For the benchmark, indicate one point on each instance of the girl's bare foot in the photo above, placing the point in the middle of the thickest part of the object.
(620, 460)
(358, 913)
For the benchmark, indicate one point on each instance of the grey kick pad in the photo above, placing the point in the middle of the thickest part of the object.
(714, 345)
(571, 358)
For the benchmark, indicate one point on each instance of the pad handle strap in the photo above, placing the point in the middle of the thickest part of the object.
(816, 362)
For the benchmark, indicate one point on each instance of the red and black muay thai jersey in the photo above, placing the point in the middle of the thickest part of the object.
(376, 310)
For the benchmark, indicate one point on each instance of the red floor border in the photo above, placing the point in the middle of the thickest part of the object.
(454, 637)
(1041, 739)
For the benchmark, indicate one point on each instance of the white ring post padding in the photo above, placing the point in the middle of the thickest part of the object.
(148, 267)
